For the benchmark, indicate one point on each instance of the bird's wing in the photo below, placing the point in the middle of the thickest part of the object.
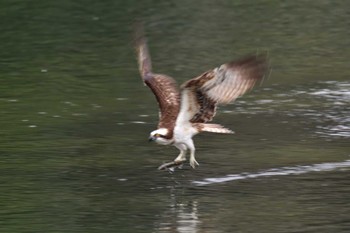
(200, 95)
(162, 86)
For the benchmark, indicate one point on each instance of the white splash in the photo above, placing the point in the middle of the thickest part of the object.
(138, 122)
(283, 171)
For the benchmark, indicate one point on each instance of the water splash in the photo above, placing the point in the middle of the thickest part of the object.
(283, 171)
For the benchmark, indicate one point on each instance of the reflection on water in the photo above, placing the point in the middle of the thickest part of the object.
(183, 216)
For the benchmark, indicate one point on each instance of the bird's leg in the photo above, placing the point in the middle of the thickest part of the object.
(177, 161)
(182, 156)
(193, 161)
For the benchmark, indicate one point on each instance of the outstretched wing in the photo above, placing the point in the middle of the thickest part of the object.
(221, 85)
(162, 86)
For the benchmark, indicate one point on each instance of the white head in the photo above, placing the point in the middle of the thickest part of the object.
(160, 136)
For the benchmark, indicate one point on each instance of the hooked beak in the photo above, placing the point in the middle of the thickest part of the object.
(152, 138)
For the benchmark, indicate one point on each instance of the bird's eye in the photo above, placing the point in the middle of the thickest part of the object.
(157, 135)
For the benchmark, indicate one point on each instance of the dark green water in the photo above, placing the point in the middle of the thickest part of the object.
(75, 118)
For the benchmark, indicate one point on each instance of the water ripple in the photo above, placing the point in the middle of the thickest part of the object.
(283, 171)
(324, 103)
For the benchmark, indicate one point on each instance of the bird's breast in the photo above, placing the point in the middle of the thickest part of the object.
(184, 132)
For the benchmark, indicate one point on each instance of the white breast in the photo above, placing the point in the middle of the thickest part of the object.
(184, 132)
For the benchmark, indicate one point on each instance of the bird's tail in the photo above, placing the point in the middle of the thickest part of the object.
(215, 128)
(143, 57)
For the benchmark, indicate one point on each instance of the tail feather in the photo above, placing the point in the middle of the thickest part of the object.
(215, 128)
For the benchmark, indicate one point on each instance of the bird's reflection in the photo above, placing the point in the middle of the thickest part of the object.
(180, 216)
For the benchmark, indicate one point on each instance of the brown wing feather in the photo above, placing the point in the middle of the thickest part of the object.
(162, 86)
(223, 85)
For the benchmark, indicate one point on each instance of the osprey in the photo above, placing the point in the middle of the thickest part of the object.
(187, 113)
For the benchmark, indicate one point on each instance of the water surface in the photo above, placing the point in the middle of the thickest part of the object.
(75, 118)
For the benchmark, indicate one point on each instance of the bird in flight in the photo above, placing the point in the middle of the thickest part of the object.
(186, 112)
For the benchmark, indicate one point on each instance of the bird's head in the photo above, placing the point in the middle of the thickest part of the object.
(160, 136)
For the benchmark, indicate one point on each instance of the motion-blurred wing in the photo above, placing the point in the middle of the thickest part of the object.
(221, 85)
(162, 86)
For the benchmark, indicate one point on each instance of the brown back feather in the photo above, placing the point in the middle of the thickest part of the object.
(207, 108)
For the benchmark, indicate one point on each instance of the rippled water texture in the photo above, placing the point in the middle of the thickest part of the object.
(75, 118)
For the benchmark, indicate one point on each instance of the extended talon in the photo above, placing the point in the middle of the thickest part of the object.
(194, 163)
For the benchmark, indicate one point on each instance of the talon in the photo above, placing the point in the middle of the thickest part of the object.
(194, 163)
